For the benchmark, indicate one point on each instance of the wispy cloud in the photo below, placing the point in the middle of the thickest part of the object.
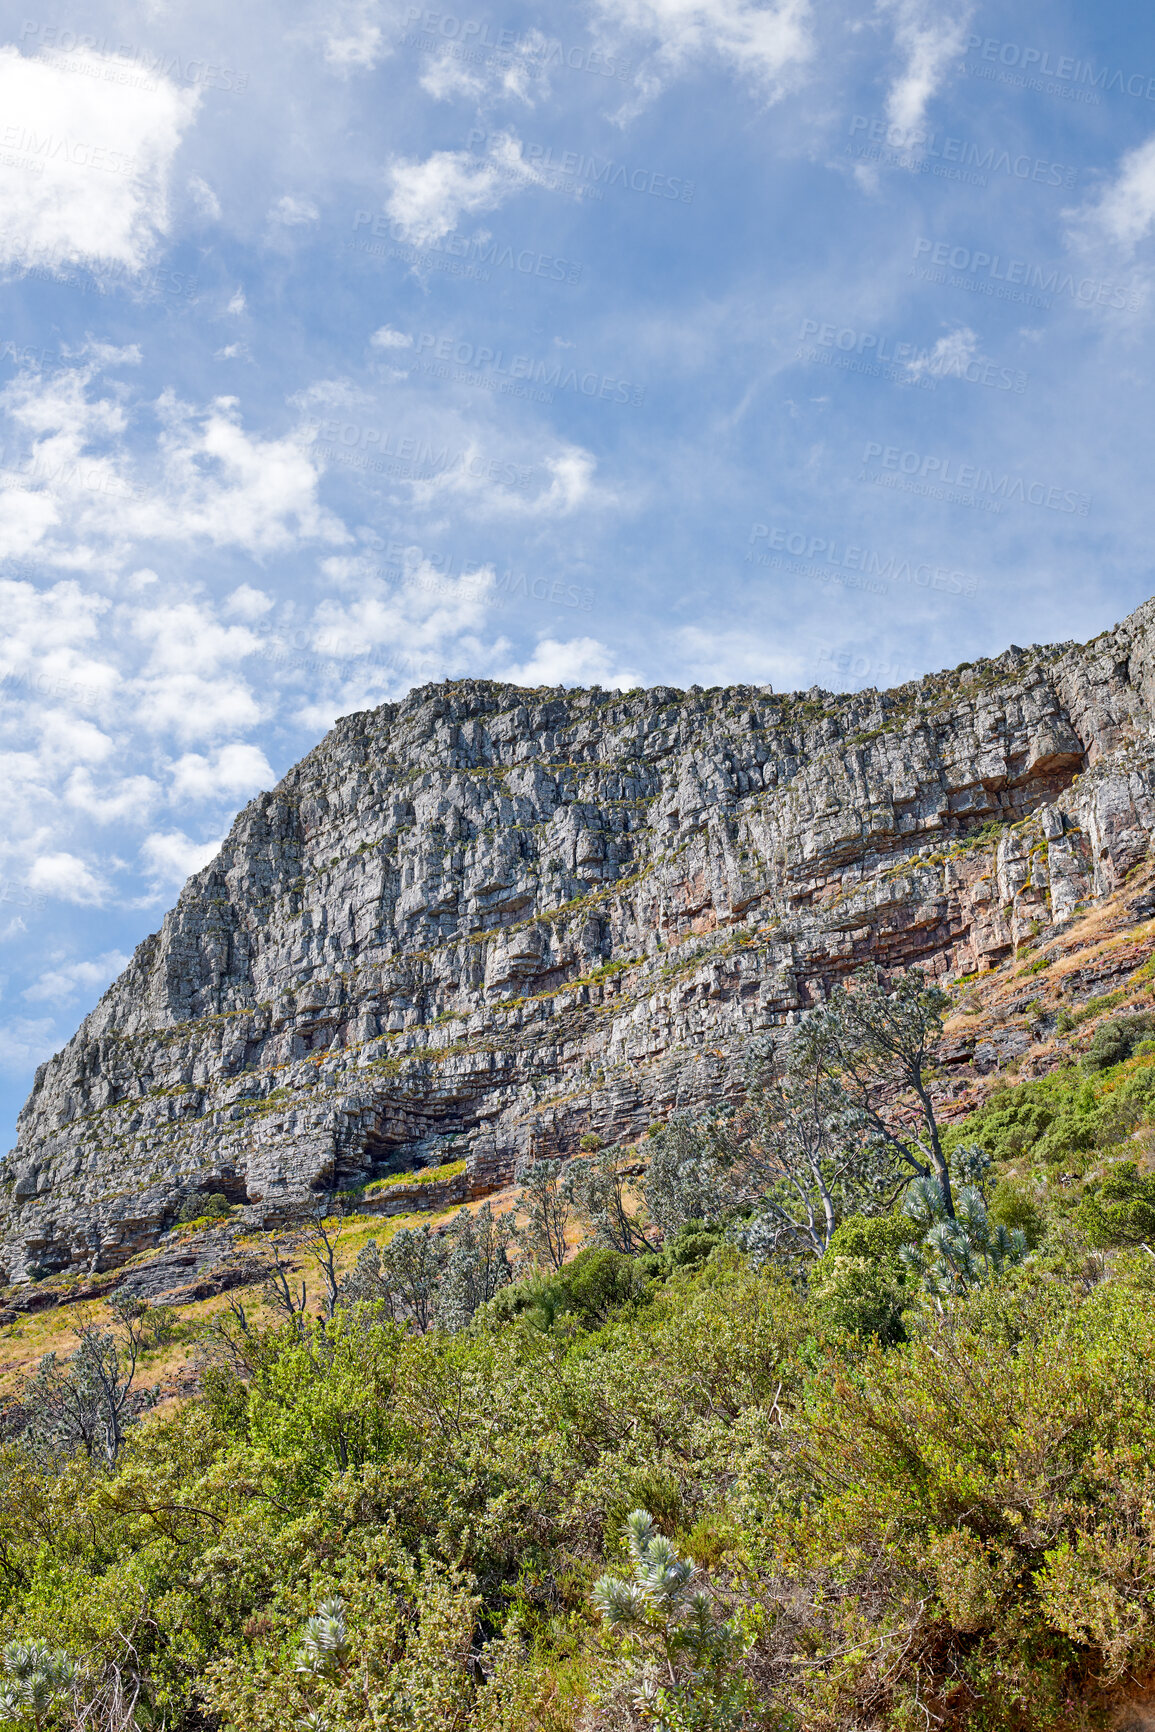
(929, 36)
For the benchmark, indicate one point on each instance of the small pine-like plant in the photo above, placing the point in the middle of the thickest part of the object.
(962, 1253)
(681, 1658)
(325, 1646)
(36, 1680)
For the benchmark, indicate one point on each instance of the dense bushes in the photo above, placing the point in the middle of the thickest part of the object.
(850, 1501)
(1059, 1120)
(958, 1523)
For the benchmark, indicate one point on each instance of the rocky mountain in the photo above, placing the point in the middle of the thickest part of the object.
(485, 920)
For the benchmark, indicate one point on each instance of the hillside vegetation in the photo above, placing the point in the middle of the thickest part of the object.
(737, 1463)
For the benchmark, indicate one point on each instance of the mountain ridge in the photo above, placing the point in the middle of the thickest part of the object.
(485, 920)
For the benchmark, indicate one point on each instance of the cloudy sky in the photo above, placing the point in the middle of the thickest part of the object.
(350, 345)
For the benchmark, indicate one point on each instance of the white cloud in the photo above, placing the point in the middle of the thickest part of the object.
(426, 612)
(428, 199)
(929, 36)
(187, 638)
(218, 482)
(232, 352)
(195, 707)
(247, 603)
(950, 357)
(1126, 209)
(84, 175)
(25, 517)
(235, 771)
(449, 81)
(72, 739)
(170, 856)
(237, 302)
(582, 661)
(488, 484)
(571, 476)
(123, 800)
(229, 486)
(765, 44)
(352, 39)
(294, 212)
(107, 355)
(187, 686)
(388, 338)
(737, 658)
(60, 985)
(67, 878)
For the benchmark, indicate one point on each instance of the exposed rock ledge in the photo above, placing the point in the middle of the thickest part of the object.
(484, 920)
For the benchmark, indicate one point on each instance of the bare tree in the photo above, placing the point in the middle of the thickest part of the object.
(282, 1293)
(596, 1185)
(803, 1160)
(83, 1402)
(547, 1210)
(877, 1040)
(319, 1243)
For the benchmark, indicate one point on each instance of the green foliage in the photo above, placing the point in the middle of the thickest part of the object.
(1016, 1207)
(859, 1288)
(35, 1685)
(421, 1176)
(589, 1290)
(1062, 1119)
(1120, 1209)
(1116, 1040)
(858, 1296)
(213, 1207)
(850, 1508)
(956, 1255)
(678, 1653)
(694, 1241)
(964, 1498)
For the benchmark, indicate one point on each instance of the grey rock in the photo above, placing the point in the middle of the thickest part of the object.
(487, 919)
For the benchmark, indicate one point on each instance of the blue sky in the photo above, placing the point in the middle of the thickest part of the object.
(348, 346)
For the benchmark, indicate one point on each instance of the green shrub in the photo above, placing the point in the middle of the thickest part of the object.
(590, 1289)
(211, 1207)
(859, 1287)
(857, 1296)
(1016, 1208)
(1116, 1040)
(1120, 1209)
(692, 1243)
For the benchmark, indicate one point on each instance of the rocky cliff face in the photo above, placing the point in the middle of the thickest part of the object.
(487, 919)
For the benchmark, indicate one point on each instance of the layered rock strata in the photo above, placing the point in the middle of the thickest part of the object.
(482, 921)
